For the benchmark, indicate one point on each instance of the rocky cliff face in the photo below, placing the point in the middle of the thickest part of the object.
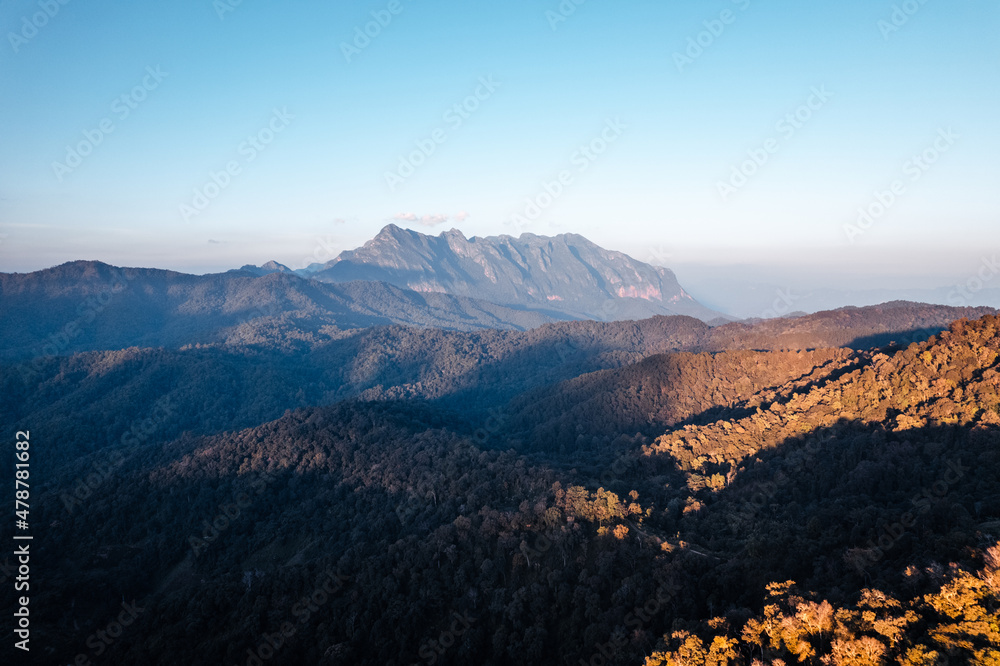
(566, 273)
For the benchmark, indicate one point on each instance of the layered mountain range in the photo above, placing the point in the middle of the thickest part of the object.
(578, 490)
(564, 274)
(399, 277)
(90, 305)
(348, 465)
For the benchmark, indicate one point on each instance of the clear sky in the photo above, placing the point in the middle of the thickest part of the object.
(719, 133)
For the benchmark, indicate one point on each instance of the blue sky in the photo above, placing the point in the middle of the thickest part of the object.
(329, 126)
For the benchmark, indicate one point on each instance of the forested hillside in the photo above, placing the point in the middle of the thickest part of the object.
(658, 392)
(88, 305)
(608, 502)
(263, 368)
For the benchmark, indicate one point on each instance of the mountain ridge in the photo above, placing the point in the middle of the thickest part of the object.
(566, 273)
(785, 477)
(92, 305)
(86, 306)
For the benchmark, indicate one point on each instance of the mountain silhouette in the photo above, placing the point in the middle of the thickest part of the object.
(565, 273)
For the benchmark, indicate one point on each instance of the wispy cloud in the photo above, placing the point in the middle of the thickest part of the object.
(430, 220)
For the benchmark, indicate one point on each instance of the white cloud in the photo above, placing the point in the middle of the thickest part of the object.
(430, 220)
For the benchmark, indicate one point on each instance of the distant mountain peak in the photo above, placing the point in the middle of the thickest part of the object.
(567, 273)
(454, 233)
(390, 231)
(265, 269)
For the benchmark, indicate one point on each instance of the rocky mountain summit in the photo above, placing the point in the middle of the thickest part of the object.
(567, 273)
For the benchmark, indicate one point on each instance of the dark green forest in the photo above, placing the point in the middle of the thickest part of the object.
(818, 490)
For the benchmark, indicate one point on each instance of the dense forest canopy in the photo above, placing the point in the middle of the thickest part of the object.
(656, 492)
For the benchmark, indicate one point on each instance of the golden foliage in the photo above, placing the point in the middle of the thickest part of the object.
(961, 619)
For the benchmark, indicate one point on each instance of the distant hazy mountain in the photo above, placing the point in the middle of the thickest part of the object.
(264, 269)
(87, 305)
(566, 273)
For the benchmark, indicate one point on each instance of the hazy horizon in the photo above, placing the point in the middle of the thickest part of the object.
(744, 289)
(724, 135)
